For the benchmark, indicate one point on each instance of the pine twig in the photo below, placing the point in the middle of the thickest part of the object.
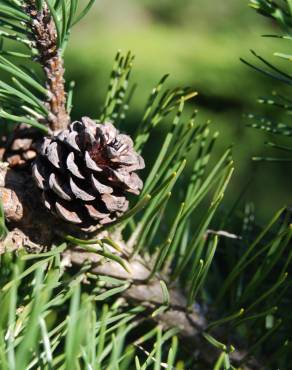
(45, 37)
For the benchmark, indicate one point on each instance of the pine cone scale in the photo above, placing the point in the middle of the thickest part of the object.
(53, 154)
(115, 203)
(91, 164)
(79, 192)
(94, 213)
(58, 188)
(99, 187)
(38, 177)
(67, 215)
(73, 167)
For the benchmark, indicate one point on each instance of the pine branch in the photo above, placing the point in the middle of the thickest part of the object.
(143, 287)
(156, 262)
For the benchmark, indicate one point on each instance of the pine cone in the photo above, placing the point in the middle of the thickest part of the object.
(85, 171)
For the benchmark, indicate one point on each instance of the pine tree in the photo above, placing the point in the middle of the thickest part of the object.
(162, 283)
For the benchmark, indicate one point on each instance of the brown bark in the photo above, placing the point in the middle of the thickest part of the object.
(45, 39)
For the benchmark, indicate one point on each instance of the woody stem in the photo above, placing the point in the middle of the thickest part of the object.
(45, 38)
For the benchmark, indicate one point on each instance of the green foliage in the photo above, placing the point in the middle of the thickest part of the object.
(65, 15)
(23, 99)
(241, 284)
(3, 228)
(49, 322)
(281, 12)
(201, 52)
(232, 271)
(278, 10)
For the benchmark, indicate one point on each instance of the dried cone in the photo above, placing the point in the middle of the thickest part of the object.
(85, 172)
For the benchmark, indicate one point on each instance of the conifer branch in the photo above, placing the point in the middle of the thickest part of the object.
(157, 262)
(22, 211)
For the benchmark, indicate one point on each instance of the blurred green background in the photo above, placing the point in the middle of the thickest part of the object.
(199, 42)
